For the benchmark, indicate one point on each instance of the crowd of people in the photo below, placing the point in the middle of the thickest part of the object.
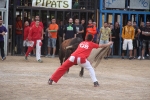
(136, 39)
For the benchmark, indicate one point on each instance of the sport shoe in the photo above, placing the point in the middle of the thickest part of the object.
(53, 56)
(143, 58)
(26, 58)
(96, 84)
(130, 58)
(3, 58)
(139, 58)
(50, 82)
(48, 56)
(122, 57)
(40, 61)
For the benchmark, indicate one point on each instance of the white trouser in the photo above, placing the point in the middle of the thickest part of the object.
(86, 65)
(38, 49)
(127, 42)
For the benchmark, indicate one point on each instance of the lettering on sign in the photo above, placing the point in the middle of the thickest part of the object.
(59, 4)
(139, 4)
(114, 3)
(144, 3)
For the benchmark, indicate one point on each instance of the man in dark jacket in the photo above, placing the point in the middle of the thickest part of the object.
(69, 30)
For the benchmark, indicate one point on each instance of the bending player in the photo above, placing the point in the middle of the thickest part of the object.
(35, 36)
(79, 57)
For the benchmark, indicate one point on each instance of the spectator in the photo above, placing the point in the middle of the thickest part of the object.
(95, 39)
(37, 18)
(116, 39)
(136, 39)
(90, 29)
(111, 38)
(79, 28)
(70, 30)
(19, 34)
(128, 36)
(53, 28)
(146, 38)
(3, 31)
(105, 35)
(60, 32)
(25, 40)
(84, 26)
(141, 39)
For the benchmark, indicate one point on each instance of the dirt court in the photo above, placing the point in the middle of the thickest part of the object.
(119, 80)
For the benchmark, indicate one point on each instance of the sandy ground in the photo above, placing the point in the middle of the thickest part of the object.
(119, 80)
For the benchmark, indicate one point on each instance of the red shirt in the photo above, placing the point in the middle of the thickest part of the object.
(33, 23)
(84, 49)
(26, 32)
(35, 33)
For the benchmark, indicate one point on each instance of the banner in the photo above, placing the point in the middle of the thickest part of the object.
(139, 4)
(114, 3)
(57, 4)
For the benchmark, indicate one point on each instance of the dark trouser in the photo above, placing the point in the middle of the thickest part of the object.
(19, 43)
(2, 48)
(116, 47)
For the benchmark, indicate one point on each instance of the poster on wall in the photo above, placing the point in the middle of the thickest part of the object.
(57, 4)
(114, 3)
(139, 4)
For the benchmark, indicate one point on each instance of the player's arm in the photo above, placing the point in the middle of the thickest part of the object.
(105, 45)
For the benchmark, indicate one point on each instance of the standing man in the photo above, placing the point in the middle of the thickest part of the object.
(25, 40)
(2, 33)
(142, 25)
(53, 28)
(95, 39)
(90, 29)
(136, 39)
(37, 18)
(128, 34)
(35, 36)
(79, 29)
(84, 26)
(116, 44)
(19, 34)
(79, 57)
(60, 33)
(70, 30)
(105, 35)
(146, 38)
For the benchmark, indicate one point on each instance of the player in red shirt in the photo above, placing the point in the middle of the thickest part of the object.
(35, 36)
(37, 18)
(26, 32)
(79, 57)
